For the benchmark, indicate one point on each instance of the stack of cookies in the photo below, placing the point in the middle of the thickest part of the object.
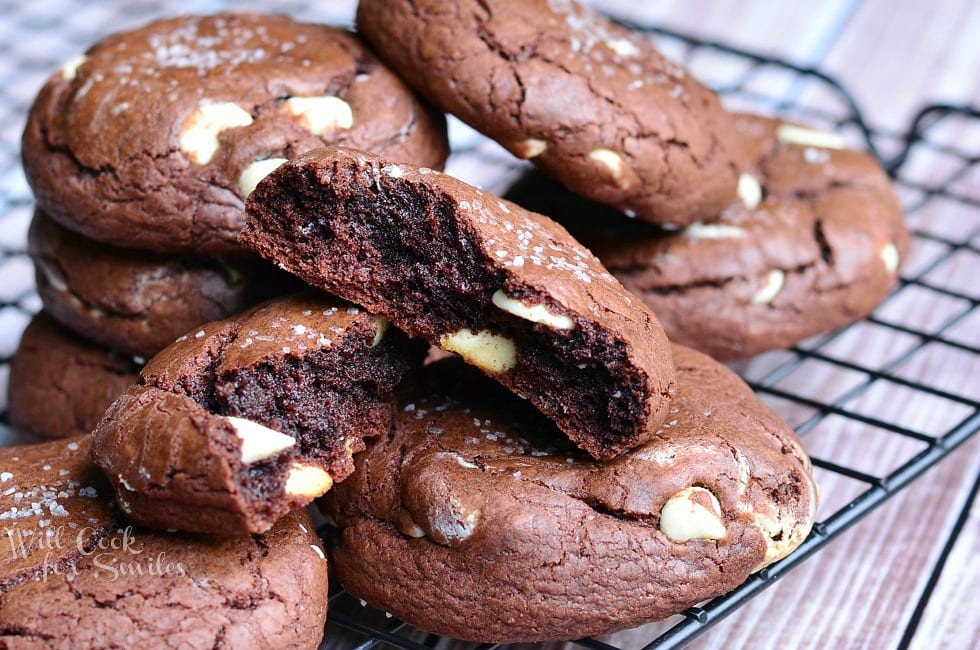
(140, 154)
(570, 471)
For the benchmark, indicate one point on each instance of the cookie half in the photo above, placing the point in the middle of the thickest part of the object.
(472, 520)
(591, 103)
(138, 302)
(250, 418)
(153, 137)
(508, 290)
(61, 385)
(813, 242)
(74, 575)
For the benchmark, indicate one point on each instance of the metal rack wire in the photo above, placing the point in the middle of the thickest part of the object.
(752, 82)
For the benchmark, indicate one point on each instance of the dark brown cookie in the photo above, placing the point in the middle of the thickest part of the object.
(138, 302)
(60, 384)
(152, 139)
(593, 104)
(500, 533)
(508, 290)
(813, 242)
(75, 576)
(54, 509)
(247, 419)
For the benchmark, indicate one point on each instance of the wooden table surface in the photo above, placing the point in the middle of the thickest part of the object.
(909, 573)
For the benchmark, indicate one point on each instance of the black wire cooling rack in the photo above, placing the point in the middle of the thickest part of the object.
(946, 242)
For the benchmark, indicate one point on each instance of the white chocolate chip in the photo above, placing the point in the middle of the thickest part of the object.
(713, 231)
(684, 517)
(749, 190)
(414, 531)
(307, 481)
(380, 325)
(533, 313)
(256, 171)
(320, 114)
(452, 523)
(54, 276)
(529, 148)
(199, 137)
(258, 441)
(484, 349)
(70, 69)
(889, 255)
(780, 532)
(405, 523)
(774, 284)
(407, 526)
(614, 163)
(790, 134)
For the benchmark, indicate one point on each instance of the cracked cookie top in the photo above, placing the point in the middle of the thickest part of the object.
(73, 574)
(153, 137)
(526, 538)
(812, 242)
(590, 102)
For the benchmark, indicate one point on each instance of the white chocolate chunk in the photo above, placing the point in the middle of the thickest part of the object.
(530, 148)
(307, 481)
(415, 531)
(750, 191)
(774, 284)
(256, 171)
(484, 349)
(320, 114)
(452, 523)
(380, 325)
(700, 230)
(408, 527)
(70, 69)
(781, 535)
(683, 518)
(52, 274)
(199, 137)
(533, 313)
(258, 441)
(614, 163)
(791, 134)
(889, 255)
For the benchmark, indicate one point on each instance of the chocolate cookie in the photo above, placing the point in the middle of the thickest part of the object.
(591, 103)
(508, 290)
(153, 137)
(813, 242)
(473, 520)
(60, 385)
(54, 510)
(139, 302)
(247, 419)
(75, 576)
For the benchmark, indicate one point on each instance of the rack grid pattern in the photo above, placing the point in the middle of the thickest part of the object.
(945, 220)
